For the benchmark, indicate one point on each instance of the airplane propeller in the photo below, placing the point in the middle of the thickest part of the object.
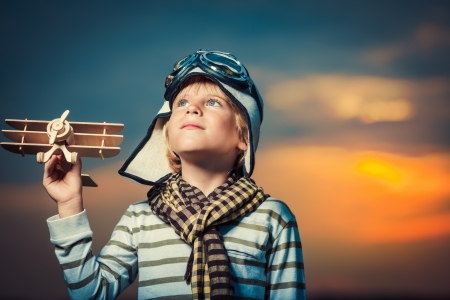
(55, 127)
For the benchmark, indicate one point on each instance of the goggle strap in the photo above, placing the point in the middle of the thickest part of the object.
(250, 85)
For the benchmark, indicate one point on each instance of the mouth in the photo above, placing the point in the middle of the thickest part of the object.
(192, 126)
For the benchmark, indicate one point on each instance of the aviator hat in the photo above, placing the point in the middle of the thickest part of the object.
(148, 163)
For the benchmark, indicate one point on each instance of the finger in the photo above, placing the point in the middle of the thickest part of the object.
(76, 168)
(49, 166)
(60, 169)
(63, 162)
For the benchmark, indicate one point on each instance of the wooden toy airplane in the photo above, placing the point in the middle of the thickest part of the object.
(45, 138)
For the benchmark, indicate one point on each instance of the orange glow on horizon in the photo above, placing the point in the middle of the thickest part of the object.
(337, 194)
(379, 169)
(408, 230)
(359, 196)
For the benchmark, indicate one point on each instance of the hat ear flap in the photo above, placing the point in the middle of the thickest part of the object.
(148, 164)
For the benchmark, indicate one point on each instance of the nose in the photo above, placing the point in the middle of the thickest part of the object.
(193, 108)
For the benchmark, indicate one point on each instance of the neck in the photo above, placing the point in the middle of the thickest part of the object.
(206, 178)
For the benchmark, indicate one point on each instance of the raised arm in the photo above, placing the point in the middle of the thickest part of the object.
(86, 276)
(63, 183)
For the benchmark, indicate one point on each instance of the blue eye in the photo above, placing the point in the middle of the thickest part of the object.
(213, 102)
(182, 103)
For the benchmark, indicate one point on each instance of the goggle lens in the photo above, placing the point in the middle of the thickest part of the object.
(224, 61)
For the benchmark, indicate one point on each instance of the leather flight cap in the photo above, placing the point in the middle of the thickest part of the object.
(148, 163)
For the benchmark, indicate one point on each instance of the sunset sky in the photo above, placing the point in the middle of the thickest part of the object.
(355, 138)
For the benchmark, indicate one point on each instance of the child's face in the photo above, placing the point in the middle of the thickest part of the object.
(203, 125)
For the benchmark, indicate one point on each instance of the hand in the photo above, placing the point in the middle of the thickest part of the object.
(63, 183)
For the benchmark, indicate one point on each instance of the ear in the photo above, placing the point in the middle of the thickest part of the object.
(242, 146)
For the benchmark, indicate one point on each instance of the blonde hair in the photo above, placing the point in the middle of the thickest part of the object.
(197, 82)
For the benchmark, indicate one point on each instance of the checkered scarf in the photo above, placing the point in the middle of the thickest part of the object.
(195, 217)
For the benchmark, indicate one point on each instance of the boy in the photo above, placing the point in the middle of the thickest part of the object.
(207, 231)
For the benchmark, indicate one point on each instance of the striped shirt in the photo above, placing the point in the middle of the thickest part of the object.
(264, 249)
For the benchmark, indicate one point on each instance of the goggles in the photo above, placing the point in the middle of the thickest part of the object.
(219, 64)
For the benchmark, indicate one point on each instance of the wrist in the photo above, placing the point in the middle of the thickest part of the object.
(71, 207)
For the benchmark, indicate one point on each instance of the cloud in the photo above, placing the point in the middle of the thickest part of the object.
(431, 36)
(367, 98)
(386, 54)
(399, 114)
(427, 38)
(403, 115)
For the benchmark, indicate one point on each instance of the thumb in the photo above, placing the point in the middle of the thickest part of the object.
(76, 168)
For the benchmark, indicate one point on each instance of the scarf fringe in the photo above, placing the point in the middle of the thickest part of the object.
(188, 274)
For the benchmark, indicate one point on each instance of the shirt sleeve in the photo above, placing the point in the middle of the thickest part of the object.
(88, 276)
(285, 270)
